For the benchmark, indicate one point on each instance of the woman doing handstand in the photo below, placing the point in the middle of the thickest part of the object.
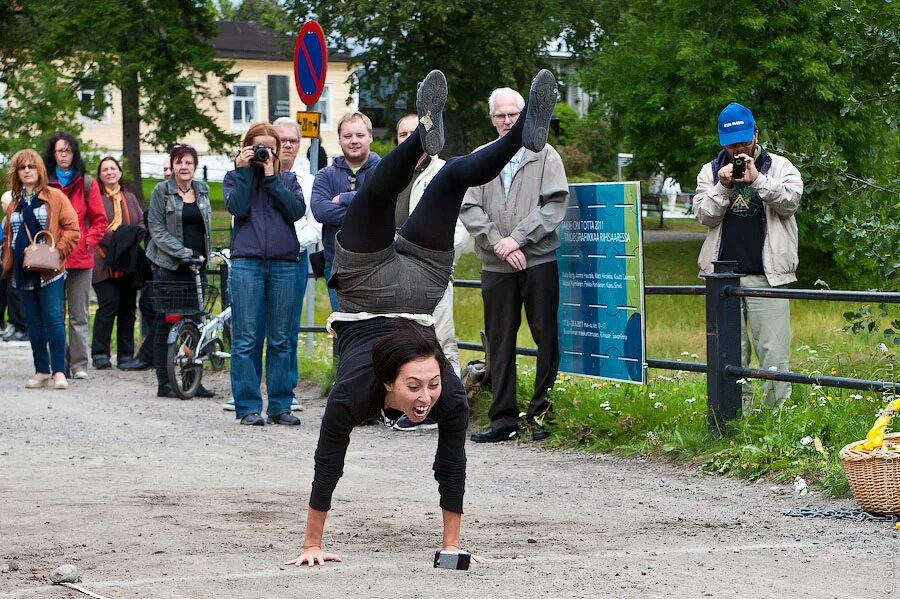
(388, 288)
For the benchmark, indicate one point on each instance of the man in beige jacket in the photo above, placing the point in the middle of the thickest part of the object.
(513, 220)
(750, 215)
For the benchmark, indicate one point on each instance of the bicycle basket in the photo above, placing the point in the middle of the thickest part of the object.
(180, 297)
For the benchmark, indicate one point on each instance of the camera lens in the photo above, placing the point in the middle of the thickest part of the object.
(260, 153)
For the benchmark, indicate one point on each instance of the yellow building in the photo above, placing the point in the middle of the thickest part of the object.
(263, 90)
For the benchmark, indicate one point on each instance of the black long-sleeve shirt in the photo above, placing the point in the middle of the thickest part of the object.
(353, 400)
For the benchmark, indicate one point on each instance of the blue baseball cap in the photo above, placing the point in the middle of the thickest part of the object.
(736, 125)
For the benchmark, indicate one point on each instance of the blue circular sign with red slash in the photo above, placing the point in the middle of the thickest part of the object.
(310, 62)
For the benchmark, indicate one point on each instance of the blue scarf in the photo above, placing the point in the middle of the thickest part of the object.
(64, 177)
(26, 209)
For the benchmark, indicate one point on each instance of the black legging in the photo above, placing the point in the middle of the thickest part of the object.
(369, 224)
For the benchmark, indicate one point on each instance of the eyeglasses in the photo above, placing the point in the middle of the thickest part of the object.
(182, 147)
(63, 151)
(289, 140)
(352, 179)
(502, 116)
(27, 167)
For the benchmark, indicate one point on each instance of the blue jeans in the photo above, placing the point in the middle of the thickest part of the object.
(44, 317)
(332, 294)
(263, 293)
(302, 274)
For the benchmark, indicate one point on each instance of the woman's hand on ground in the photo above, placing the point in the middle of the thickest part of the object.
(477, 559)
(313, 556)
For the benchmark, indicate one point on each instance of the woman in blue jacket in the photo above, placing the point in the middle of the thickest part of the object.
(265, 202)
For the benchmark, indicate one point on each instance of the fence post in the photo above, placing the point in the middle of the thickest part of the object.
(723, 345)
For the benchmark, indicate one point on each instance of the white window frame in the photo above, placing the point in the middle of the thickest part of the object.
(242, 126)
(105, 118)
(323, 106)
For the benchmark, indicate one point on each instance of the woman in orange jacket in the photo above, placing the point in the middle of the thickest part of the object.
(35, 208)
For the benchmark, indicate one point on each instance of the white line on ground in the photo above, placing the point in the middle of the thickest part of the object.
(298, 571)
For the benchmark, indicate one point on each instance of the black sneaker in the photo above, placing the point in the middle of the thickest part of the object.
(102, 363)
(430, 100)
(405, 424)
(541, 102)
(253, 419)
(287, 419)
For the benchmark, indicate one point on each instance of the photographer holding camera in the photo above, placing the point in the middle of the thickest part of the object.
(747, 197)
(265, 201)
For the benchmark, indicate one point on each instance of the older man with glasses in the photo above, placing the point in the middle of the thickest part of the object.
(309, 231)
(336, 185)
(513, 220)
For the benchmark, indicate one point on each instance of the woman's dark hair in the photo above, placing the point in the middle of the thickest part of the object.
(118, 164)
(179, 150)
(408, 342)
(50, 154)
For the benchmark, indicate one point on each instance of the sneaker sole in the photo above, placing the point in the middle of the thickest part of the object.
(541, 103)
(418, 427)
(430, 100)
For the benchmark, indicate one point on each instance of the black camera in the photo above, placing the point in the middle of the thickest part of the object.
(739, 167)
(260, 153)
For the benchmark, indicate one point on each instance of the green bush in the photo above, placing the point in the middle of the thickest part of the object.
(575, 160)
(382, 147)
(569, 123)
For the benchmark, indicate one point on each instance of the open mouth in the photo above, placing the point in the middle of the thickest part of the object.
(420, 412)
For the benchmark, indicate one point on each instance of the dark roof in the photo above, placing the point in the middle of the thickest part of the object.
(252, 41)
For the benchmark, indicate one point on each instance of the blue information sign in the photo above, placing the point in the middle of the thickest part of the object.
(601, 310)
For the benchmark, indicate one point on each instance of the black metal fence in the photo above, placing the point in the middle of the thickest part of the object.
(723, 340)
(723, 369)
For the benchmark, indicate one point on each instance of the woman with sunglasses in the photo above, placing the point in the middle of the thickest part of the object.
(37, 208)
(389, 283)
(178, 220)
(263, 280)
(116, 289)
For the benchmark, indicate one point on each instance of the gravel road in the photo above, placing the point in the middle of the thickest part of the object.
(158, 498)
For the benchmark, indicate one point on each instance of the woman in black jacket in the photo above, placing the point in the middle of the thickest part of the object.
(116, 290)
(389, 286)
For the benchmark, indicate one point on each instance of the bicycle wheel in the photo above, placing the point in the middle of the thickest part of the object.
(223, 344)
(184, 374)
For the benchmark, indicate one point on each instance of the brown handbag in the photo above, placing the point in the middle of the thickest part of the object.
(41, 257)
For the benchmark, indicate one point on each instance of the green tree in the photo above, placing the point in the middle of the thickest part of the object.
(820, 75)
(270, 13)
(479, 45)
(157, 52)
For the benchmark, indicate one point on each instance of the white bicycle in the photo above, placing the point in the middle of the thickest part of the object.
(197, 336)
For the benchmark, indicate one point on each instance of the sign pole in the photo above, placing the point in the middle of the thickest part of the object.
(311, 290)
(310, 66)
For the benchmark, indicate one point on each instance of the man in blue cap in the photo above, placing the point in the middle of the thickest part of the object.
(747, 197)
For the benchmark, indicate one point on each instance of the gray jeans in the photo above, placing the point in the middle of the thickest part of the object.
(403, 277)
(77, 306)
(766, 328)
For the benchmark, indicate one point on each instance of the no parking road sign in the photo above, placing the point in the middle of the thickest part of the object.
(310, 62)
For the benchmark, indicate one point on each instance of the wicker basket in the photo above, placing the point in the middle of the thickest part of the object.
(874, 476)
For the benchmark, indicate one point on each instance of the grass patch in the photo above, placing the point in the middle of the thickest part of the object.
(668, 417)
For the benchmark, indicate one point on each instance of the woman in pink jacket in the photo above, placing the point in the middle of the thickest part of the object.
(65, 170)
